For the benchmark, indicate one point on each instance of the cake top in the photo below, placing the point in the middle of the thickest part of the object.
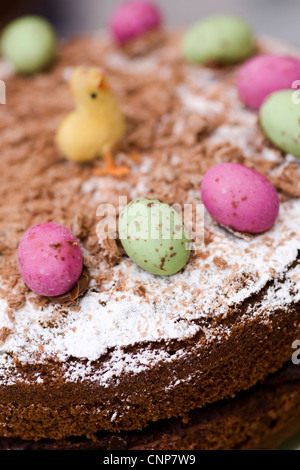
(182, 119)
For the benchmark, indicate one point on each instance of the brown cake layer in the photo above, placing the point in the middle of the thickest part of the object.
(261, 418)
(164, 356)
(57, 409)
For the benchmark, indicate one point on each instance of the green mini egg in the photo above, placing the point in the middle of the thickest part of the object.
(29, 44)
(154, 237)
(280, 120)
(218, 39)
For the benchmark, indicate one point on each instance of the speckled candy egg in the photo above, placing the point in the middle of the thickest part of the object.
(49, 259)
(240, 198)
(264, 74)
(131, 19)
(154, 237)
(29, 44)
(218, 39)
(280, 118)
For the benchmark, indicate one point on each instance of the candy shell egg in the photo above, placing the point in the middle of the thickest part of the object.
(49, 259)
(218, 39)
(154, 237)
(264, 74)
(29, 44)
(280, 117)
(131, 19)
(240, 198)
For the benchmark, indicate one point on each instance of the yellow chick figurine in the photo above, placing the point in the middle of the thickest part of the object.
(96, 125)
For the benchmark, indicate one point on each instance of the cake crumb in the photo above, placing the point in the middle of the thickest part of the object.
(220, 262)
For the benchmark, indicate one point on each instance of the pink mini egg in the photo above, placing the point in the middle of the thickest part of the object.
(264, 74)
(133, 18)
(49, 259)
(239, 197)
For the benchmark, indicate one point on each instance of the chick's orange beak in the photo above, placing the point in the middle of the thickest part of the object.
(103, 85)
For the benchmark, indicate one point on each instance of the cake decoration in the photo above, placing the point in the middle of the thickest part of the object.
(71, 297)
(132, 19)
(154, 237)
(49, 259)
(29, 44)
(96, 125)
(218, 40)
(264, 74)
(279, 119)
(240, 198)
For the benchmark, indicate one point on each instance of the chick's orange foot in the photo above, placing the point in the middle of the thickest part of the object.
(111, 168)
(117, 171)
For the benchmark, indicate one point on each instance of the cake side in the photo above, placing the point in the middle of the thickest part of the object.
(189, 335)
(261, 418)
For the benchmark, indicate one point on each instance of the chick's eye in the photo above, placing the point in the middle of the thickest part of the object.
(94, 95)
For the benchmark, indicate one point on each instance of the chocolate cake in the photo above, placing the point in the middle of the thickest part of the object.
(127, 349)
(260, 418)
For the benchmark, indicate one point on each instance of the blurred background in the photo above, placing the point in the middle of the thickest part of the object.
(279, 18)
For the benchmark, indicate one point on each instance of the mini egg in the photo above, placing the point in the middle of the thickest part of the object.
(263, 74)
(280, 118)
(132, 19)
(154, 237)
(218, 39)
(29, 44)
(49, 259)
(240, 198)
